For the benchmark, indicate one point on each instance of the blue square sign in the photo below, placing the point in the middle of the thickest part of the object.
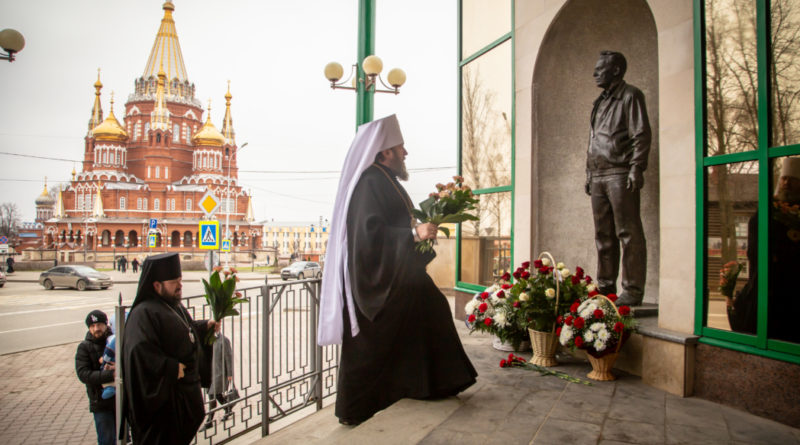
(153, 223)
(209, 235)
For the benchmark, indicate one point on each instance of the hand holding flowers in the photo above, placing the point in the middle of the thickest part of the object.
(727, 277)
(222, 296)
(448, 204)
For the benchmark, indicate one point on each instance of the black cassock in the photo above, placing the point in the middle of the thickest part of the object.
(163, 409)
(408, 346)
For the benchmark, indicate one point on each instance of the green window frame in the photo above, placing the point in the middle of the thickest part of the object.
(761, 156)
(464, 60)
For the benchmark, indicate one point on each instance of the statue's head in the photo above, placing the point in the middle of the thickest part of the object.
(610, 68)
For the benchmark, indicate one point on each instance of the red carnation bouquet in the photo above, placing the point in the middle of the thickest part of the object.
(595, 324)
(727, 277)
(448, 204)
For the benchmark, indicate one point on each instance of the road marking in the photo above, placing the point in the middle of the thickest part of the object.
(40, 327)
(34, 311)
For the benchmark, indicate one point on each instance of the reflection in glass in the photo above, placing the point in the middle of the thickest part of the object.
(731, 76)
(730, 231)
(784, 251)
(486, 120)
(785, 71)
(483, 22)
(486, 244)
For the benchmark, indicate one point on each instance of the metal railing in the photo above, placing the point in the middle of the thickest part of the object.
(277, 362)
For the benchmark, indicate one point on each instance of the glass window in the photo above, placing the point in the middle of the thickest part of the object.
(784, 250)
(138, 203)
(486, 119)
(785, 69)
(144, 203)
(188, 204)
(732, 77)
(122, 203)
(176, 133)
(483, 22)
(158, 171)
(485, 245)
(156, 204)
(732, 198)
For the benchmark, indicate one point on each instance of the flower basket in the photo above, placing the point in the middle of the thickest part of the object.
(545, 345)
(598, 326)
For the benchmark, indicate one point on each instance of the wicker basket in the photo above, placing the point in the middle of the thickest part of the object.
(601, 366)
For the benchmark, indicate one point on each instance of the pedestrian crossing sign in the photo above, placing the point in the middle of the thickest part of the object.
(151, 240)
(226, 245)
(209, 235)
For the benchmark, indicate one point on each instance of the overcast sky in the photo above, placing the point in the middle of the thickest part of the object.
(273, 52)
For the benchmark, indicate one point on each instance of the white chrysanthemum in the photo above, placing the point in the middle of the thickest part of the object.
(603, 334)
(492, 289)
(545, 262)
(566, 335)
(500, 319)
(550, 293)
(588, 336)
(524, 296)
(470, 307)
(597, 326)
(599, 345)
(560, 265)
(591, 286)
(565, 272)
(493, 299)
(588, 310)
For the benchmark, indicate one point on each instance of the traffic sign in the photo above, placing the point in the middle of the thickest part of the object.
(226, 245)
(3, 239)
(153, 223)
(151, 240)
(209, 235)
(208, 203)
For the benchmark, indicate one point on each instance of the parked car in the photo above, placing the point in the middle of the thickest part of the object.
(301, 270)
(2, 278)
(78, 277)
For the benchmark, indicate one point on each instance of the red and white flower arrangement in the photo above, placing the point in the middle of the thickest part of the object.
(595, 324)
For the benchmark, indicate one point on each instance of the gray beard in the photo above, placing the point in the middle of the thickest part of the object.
(403, 174)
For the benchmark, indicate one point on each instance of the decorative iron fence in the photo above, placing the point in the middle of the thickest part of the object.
(276, 359)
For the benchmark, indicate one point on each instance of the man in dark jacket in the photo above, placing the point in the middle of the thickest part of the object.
(619, 143)
(93, 374)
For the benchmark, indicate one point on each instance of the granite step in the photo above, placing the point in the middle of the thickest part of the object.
(390, 425)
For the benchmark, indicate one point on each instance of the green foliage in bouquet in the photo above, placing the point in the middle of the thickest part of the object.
(448, 204)
(596, 325)
(222, 296)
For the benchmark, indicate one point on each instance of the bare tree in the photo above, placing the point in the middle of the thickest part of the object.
(485, 130)
(9, 220)
(732, 92)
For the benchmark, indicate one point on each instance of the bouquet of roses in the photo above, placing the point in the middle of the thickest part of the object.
(595, 324)
(727, 277)
(515, 361)
(448, 204)
(489, 312)
(544, 291)
(222, 296)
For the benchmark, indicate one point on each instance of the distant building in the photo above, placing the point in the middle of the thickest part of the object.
(298, 240)
(158, 163)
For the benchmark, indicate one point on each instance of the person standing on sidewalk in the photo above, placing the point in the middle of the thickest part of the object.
(135, 265)
(163, 361)
(92, 373)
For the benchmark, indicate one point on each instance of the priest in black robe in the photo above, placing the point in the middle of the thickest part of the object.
(163, 360)
(396, 328)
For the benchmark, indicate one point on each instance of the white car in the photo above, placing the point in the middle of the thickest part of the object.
(301, 270)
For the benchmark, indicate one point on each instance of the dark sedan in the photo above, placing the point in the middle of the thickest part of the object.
(78, 277)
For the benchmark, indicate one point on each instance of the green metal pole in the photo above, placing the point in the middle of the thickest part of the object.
(366, 47)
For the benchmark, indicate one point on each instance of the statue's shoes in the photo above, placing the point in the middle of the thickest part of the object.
(626, 299)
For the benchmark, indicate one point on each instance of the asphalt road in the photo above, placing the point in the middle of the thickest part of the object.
(32, 317)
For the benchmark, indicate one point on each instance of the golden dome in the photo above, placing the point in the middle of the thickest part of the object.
(110, 129)
(208, 134)
(45, 198)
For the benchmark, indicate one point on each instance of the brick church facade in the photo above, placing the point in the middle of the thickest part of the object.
(158, 163)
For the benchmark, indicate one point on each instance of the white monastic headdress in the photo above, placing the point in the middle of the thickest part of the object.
(371, 138)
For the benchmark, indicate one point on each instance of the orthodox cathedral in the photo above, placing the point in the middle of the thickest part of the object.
(158, 163)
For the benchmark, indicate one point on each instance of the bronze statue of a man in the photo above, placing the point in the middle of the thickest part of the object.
(615, 163)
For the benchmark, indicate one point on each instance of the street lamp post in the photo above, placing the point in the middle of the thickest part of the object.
(12, 42)
(228, 200)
